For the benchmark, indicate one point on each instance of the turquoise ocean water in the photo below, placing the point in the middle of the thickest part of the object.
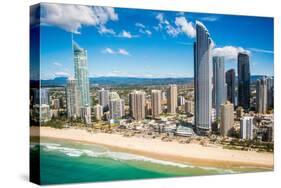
(74, 162)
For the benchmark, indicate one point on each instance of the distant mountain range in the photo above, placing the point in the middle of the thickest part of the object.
(61, 81)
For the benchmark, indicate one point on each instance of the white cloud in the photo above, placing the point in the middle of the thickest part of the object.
(140, 25)
(102, 29)
(164, 24)
(185, 26)
(143, 29)
(172, 31)
(123, 52)
(125, 34)
(72, 17)
(108, 51)
(148, 32)
(229, 52)
(181, 26)
(61, 74)
(120, 51)
(57, 64)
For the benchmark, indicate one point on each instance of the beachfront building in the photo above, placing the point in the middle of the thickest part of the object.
(230, 82)
(181, 100)
(148, 107)
(189, 107)
(117, 108)
(219, 86)
(86, 114)
(172, 99)
(98, 110)
(81, 74)
(247, 128)
(227, 118)
(41, 113)
(202, 80)
(156, 103)
(137, 105)
(44, 96)
(243, 80)
(261, 95)
(103, 98)
(72, 99)
(82, 77)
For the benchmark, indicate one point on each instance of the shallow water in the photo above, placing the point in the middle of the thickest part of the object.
(64, 161)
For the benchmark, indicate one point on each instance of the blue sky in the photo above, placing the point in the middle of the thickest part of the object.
(147, 43)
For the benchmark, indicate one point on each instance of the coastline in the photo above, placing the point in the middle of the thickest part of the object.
(191, 153)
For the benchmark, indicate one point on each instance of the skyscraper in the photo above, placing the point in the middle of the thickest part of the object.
(181, 100)
(227, 118)
(117, 108)
(270, 92)
(103, 98)
(189, 107)
(172, 99)
(230, 81)
(137, 105)
(202, 80)
(261, 95)
(246, 128)
(86, 114)
(219, 87)
(98, 109)
(44, 96)
(72, 99)
(156, 102)
(81, 74)
(243, 80)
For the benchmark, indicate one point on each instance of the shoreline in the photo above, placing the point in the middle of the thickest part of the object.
(194, 154)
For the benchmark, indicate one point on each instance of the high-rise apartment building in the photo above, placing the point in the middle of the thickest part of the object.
(81, 74)
(137, 105)
(72, 99)
(247, 128)
(98, 110)
(156, 102)
(172, 99)
(202, 80)
(261, 95)
(103, 98)
(227, 118)
(219, 86)
(117, 108)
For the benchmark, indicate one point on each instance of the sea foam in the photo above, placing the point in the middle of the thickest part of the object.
(121, 156)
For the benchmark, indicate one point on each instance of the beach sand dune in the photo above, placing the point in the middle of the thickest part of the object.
(172, 151)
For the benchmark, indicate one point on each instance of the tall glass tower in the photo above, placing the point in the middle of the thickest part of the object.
(230, 81)
(243, 80)
(81, 74)
(202, 80)
(219, 86)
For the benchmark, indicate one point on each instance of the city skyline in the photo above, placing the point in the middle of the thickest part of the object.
(118, 47)
(121, 118)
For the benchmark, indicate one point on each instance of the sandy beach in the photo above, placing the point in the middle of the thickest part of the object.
(172, 151)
